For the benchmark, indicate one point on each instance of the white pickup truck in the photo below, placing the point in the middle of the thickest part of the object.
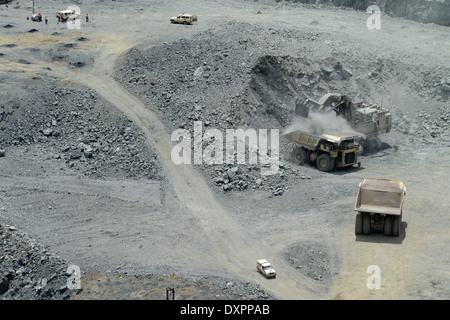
(184, 18)
(265, 268)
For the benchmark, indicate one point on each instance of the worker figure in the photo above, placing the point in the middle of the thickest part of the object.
(46, 20)
(87, 18)
(62, 18)
(40, 17)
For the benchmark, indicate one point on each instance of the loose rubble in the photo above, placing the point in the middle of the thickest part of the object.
(30, 271)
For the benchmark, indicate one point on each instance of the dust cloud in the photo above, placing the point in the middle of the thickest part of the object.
(319, 123)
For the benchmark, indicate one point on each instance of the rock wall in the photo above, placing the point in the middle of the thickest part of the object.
(426, 11)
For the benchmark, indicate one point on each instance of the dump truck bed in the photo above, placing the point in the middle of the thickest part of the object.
(380, 196)
(311, 140)
(303, 138)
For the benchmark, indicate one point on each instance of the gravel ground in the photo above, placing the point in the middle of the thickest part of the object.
(73, 126)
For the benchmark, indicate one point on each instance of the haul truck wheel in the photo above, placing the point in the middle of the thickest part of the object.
(324, 162)
(298, 156)
(396, 225)
(387, 225)
(366, 223)
(358, 223)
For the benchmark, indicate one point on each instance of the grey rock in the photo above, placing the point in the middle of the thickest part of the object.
(75, 154)
(219, 180)
(231, 173)
(88, 152)
(47, 132)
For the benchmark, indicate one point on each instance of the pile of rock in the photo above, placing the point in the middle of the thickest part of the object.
(245, 290)
(29, 271)
(312, 260)
(75, 126)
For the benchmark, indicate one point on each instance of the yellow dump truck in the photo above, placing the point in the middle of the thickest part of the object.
(328, 150)
(379, 206)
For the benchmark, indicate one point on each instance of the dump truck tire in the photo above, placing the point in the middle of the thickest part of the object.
(298, 156)
(396, 225)
(324, 162)
(358, 223)
(387, 225)
(366, 223)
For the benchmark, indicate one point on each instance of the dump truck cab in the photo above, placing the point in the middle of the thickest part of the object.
(343, 147)
(379, 206)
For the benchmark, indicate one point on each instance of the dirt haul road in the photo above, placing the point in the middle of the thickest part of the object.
(235, 247)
